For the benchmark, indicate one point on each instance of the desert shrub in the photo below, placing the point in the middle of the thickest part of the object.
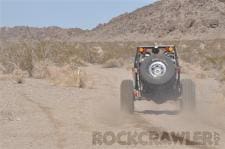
(222, 78)
(40, 69)
(29, 55)
(213, 62)
(18, 76)
(222, 75)
(77, 61)
(95, 54)
(2, 69)
(18, 54)
(67, 76)
(113, 63)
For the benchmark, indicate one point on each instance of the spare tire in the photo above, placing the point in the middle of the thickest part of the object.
(157, 70)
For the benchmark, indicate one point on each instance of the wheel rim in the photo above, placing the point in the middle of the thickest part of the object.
(157, 69)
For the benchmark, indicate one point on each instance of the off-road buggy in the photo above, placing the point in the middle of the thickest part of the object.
(157, 77)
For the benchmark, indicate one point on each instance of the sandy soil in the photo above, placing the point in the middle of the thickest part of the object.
(38, 115)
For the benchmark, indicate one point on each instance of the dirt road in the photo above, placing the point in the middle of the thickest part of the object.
(38, 115)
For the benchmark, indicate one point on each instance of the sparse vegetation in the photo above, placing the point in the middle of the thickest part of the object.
(67, 76)
(18, 76)
(36, 57)
(113, 63)
(222, 78)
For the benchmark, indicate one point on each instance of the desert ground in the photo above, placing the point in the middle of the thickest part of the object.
(59, 86)
(39, 115)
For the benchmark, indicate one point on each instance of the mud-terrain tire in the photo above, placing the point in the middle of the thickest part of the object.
(188, 95)
(166, 62)
(127, 96)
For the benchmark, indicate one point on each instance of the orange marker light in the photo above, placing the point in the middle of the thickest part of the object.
(141, 50)
(170, 49)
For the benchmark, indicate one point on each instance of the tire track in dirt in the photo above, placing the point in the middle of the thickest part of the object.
(56, 124)
(73, 114)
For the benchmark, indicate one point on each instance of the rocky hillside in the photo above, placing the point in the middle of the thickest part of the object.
(165, 19)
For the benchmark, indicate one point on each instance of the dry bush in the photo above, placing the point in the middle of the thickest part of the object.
(77, 61)
(40, 69)
(3, 76)
(30, 55)
(95, 54)
(222, 75)
(113, 63)
(16, 76)
(67, 76)
(19, 54)
(2, 69)
(222, 78)
(213, 62)
(19, 75)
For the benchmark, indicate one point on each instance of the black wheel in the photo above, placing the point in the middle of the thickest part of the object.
(188, 96)
(127, 96)
(157, 70)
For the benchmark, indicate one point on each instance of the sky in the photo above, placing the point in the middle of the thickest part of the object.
(85, 14)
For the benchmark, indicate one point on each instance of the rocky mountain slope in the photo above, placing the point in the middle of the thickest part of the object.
(164, 19)
(167, 19)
